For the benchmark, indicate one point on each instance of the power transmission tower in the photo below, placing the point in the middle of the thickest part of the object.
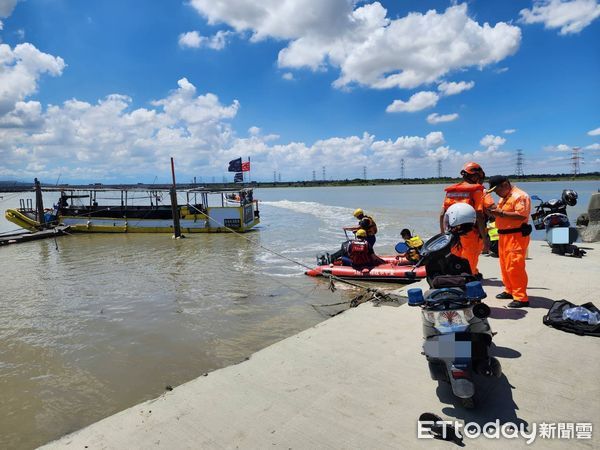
(402, 168)
(439, 168)
(576, 158)
(274, 176)
(324, 174)
(213, 179)
(314, 176)
(279, 177)
(365, 172)
(519, 170)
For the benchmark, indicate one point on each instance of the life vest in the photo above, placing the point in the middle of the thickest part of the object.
(462, 193)
(372, 228)
(414, 245)
(493, 231)
(359, 253)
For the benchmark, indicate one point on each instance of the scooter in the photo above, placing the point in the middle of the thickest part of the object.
(552, 217)
(455, 327)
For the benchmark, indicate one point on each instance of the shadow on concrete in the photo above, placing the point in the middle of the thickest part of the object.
(493, 400)
(504, 352)
(491, 282)
(506, 313)
(540, 302)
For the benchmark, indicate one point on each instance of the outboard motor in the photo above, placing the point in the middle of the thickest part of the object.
(552, 217)
(455, 327)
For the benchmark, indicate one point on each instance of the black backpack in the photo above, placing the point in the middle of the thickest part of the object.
(554, 318)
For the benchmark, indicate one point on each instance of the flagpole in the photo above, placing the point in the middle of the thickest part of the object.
(249, 167)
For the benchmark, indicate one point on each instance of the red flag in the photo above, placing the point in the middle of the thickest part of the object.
(246, 166)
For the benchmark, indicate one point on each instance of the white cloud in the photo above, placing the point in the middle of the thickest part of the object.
(595, 132)
(492, 142)
(594, 146)
(192, 39)
(570, 16)
(288, 76)
(368, 47)
(454, 88)
(510, 131)
(7, 7)
(20, 70)
(417, 102)
(558, 148)
(436, 118)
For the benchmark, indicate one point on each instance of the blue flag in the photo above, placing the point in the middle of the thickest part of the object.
(235, 165)
(238, 177)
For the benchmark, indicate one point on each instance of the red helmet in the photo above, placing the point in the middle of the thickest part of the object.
(472, 168)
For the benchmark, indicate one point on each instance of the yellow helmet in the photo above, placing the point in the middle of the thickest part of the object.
(361, 233)
(359, 212)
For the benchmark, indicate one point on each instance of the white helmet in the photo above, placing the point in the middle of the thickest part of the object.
(459, 214)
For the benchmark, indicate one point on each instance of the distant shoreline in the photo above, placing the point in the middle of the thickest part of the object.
(8, 186)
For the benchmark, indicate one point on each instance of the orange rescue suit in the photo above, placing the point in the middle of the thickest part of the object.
(512, 247)
(471, 243)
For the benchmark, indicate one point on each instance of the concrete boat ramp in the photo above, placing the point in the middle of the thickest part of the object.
(359, 381)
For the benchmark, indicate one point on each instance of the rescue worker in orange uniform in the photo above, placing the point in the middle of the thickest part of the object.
(512, 217)
(470, 191)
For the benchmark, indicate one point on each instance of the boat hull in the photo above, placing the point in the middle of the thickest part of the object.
(384, 272)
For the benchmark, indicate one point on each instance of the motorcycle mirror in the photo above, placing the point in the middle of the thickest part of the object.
(535, 197)
(481, 310)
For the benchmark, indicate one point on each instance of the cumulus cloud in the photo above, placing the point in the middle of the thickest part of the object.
(594, 146)
(571, 16)
(595, 132)
(558, 148)
(454, 88)
(20, 69)
(288, 76)
(7, 7)
(192, 39)
(417, 102)
(492, 142)
(437, 118)
(510, 131)
(368, 47)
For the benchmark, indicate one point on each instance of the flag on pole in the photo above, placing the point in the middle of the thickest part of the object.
(235, 165)
(246, 166)
(238, 177)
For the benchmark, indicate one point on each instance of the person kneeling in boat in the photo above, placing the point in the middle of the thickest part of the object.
(414, 244)
(360, 253)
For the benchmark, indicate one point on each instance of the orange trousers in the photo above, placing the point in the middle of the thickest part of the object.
(512, 249)
(470, 248)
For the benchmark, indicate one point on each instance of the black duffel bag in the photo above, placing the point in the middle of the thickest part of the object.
(554, 318)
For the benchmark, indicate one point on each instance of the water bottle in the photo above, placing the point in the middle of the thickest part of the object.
(581, 314)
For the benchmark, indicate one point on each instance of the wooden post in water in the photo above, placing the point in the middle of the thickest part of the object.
(39, 202)
(174, 208)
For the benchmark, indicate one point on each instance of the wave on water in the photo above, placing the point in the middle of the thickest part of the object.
(331, 215)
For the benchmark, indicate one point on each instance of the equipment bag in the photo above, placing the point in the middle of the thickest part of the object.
(554, 318)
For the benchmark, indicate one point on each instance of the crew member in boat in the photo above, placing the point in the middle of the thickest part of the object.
(367, 224)
(471, 192)
(361, 253)
(414, 243)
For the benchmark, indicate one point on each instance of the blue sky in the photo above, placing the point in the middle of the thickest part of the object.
(108, 91)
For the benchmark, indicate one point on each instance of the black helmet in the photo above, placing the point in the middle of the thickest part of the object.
(569, 196)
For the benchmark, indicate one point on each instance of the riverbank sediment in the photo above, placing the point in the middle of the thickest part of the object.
(359, 380)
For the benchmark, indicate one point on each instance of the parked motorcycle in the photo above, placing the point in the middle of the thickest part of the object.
(552, 217)
(455, 327)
